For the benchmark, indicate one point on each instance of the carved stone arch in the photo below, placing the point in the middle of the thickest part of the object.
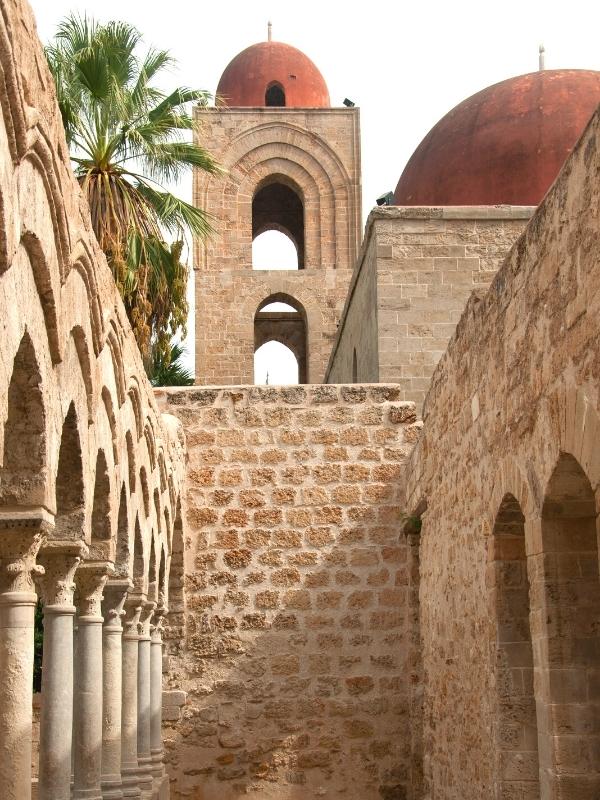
(116, 354)
(171, 486)
(145, 491)
(42, 276)
(101, 519)
(11, 95)
(161, 580)
(287, 328)
(277, 287)
(577, 425)
(131, 465)
(24, 461)
(123, 548)
(83, 265)
(138, 560)
(85, 364)
(112, 421)
(150, 443)
(153, 568)
(509, 480)
(168, 531)
(162, 470)
(134, 395)
(69, 483)
(39, 160)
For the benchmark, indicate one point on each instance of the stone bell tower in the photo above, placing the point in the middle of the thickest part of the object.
(293, 165)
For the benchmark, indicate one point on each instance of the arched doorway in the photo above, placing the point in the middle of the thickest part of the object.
(281, 319)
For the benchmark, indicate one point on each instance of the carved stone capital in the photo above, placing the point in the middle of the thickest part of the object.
(145, 619)
(133, 609)
(90, 579)
(113, 603)
(59, 559)
(22, 534)
(158, 625)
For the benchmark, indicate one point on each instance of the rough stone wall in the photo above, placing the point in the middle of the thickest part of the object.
(296, 660)
(428, 261)
(316, 152)
(510, 442)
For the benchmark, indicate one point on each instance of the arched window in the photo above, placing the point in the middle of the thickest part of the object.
(277, 206)
(280, 336)
(275, 95)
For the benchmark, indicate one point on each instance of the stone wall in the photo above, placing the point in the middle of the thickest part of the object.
(316, 154)
(355, 353)
(295, 650)
(508, 471)
(427, 262)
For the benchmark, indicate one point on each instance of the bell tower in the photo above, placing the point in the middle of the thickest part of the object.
(292, 164)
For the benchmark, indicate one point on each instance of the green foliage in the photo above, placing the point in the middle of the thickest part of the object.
(38, 644)
(170, 372)
(126, 139)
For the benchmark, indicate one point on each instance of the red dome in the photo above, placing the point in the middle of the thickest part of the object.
(505, 144)
(247, 78)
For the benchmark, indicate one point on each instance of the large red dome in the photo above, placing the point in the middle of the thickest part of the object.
(248, 77)
(505, 144)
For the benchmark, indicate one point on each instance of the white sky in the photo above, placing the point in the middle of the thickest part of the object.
(404, 63)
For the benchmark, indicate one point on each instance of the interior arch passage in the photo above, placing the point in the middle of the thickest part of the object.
(277, 206)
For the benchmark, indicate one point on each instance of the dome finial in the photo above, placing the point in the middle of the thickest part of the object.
(542, 51)
(269, 30)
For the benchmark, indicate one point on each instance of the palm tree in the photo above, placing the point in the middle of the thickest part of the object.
(172, 373)
(126, 139)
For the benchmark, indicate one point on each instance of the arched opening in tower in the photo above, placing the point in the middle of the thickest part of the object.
(275, 95)
(277, 207)
(280, 341)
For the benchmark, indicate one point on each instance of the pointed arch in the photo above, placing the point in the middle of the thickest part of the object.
(112, 421)
(122, 553)
(101, 511)
(567, 593)
(516, 736)
(23, 475)
(70, 489)
(145, 491)
(138, 561)
(289, 328)
(85, 364)
(130, 460)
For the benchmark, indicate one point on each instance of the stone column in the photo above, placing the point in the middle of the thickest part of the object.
(129, 714)
(91, 577)
(115, 594)
(21, 536)
(60, 560)
(144, 714)
(156, 657)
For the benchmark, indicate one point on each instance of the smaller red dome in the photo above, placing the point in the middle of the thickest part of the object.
(257, 68)
(504, 145)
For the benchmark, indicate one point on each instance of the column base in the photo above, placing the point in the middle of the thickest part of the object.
(145, 777)
(87, 794)
(130, 786)
(112, 788)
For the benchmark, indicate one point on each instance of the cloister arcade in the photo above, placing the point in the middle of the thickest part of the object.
(90, 478)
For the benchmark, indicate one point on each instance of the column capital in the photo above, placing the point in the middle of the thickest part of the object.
(113, 601)
(22, 533)
(90, 579)
(147, 611)
(59, 560)
(133, 610)
(158, 624)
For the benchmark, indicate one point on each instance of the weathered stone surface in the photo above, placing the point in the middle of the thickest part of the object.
(327, 561)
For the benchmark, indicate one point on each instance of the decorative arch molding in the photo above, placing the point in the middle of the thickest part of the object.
(42, 277)
(112, 421)
(11, 93)
(510, 480)
(150, 443)
(134, 394)
(83, 266)
(39, 159)
(85, 364)
(116, 354)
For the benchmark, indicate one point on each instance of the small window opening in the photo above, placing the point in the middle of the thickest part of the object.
(275, 365)
(354, 367)
(275, 95)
